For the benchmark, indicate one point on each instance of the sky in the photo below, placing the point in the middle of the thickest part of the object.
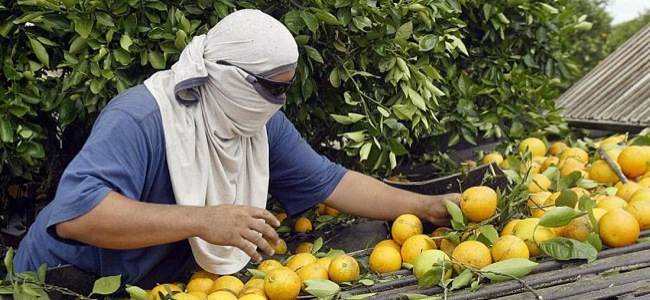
(625, 10)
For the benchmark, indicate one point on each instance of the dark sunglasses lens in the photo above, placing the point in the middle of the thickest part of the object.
(276, 89)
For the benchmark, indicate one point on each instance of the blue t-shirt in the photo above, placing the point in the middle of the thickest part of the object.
(125, 153)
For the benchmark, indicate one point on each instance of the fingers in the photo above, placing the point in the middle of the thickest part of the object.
(267, 231)
(454, 197)
(249, 248)
(264, 214)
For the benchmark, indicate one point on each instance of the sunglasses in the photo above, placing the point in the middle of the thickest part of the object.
(275, 88)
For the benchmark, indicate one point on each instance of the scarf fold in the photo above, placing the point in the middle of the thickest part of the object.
(214, 120)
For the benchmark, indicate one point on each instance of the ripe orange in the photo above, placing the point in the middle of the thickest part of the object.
(155, 293)
(570, 165)
(507, 230)
(257, 283)
(534, 145)
(471, 253)
(281, 217)
(404, 227)
(227, 283)
(199, 295)
(222, 295)
(478, 203)
(509, 246)
(550, 161)
(628, 189)
(598, 213)
(281, 247)
(538, 183)
(204, 274)
(610, 203)
(389, 243)
(618, 228)
(576, 153)
(331, 211)
(633, 160)
(268, 265)
(644, 182)
(601, 172)
(427, 260)
(578, 229)
(641, 212)
(344, 268)
(639, 195)
(282, 284)
(312, 271)
(325, 262)
(253, 295)
(300, 260)
(200, 285)
(303, 225)
(538, 200)
(557, 148)
(414, 245)
(439, 232)
(305, 247)
(320, 209)
(494, 157)
(385, 259)
(532, 234)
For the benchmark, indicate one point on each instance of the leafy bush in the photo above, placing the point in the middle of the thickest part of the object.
(622, 32)
(377, 79)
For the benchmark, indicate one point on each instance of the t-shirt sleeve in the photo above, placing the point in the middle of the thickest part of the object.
(300, 178)
(114, 158)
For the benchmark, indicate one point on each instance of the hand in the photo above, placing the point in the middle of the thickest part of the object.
(434, 208)
(245, 227)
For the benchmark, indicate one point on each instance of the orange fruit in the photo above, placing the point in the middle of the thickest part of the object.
(404, 227)
(471, 253)
(385, 259)
(570, 165)
(312, 271)
(320, 209)
(641, 212)
(257, 283)
(618, 228)
(414, 245)
(163, 289)
(644, 182)
(550, 161)
(281, 217)
(557, 148)
(427, 260)
(534, 145)
(601, 172)
(494, 157)
(204, 274)
(640, 194)
(325, 262)
(578, 229)
(507, 230)
(532, 234)
(331, 211)
(538, 183)
(389, 243)
(254, 295)
(199, 295)
(576, 153)
(509, 246)
(282, 284)
(344, 268)
(305, 247)
(227, 283)
(199, 285)
(280, 248)
(610, 203)
(478, 203)
(634, 160)
(300, 260)
(303, 225)
(539, 199)
(439, 232)
(268, 265)
(598, 213)
(628, 189)
(222, 295)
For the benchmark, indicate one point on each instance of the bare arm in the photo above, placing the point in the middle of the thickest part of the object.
(121, 223)
(365, 196)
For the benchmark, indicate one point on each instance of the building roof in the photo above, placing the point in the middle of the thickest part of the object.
(614, 95)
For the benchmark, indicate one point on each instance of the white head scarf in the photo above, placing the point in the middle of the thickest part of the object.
(214, 120)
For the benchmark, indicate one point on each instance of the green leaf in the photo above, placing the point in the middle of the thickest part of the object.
(181, 39)
(318, 244)
(327, 17)
(83, 27)
(505, 269)
(416, 99)
(462, 280)
(122, 56)
(107, 285)
(321, 288)
(310, 20)
(136, 293)
(360, 296)
(569, 181)
(157, 60)
(427, 42)
(256, 273)
(313, 54)
(6, 130)
(41, 273)
(595, 241)
(559, 216)
(361, 22)
(40, 51)
(125, 41)
(334, 78)
(293, 21)
(458, 44)
(366, 281)
(566, 249)
(77, 45)
(364, 152)
(455, 213)
(489, 232)
(430, 277)
(351, 118)
(9, 261)
(404, 32)
(567, 198)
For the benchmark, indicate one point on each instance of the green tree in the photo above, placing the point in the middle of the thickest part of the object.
(622, 32)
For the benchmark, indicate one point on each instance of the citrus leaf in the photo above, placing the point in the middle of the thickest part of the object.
(83, 27)
(9, 261)
(126, 42)
(318, 244)
(559, 216)
(404, 31)
(321, 288)
(40, 52)
(567, 198)
(256, 273)
(366, 282)
(505, 269)
(327, 17)
(136, 293)
(566, 249)
(157, 60)
(489, 232)
(360, 296)
(6, 130)
(313, 54)
(107, 285)
(462, 280)
(455, 213)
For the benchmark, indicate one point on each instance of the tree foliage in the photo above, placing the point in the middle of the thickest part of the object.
(377, 80)
(622, 32)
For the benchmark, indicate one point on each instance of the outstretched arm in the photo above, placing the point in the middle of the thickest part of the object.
(362, 195)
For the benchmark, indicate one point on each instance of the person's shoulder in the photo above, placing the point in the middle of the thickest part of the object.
(277, 127)
(136, 102)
